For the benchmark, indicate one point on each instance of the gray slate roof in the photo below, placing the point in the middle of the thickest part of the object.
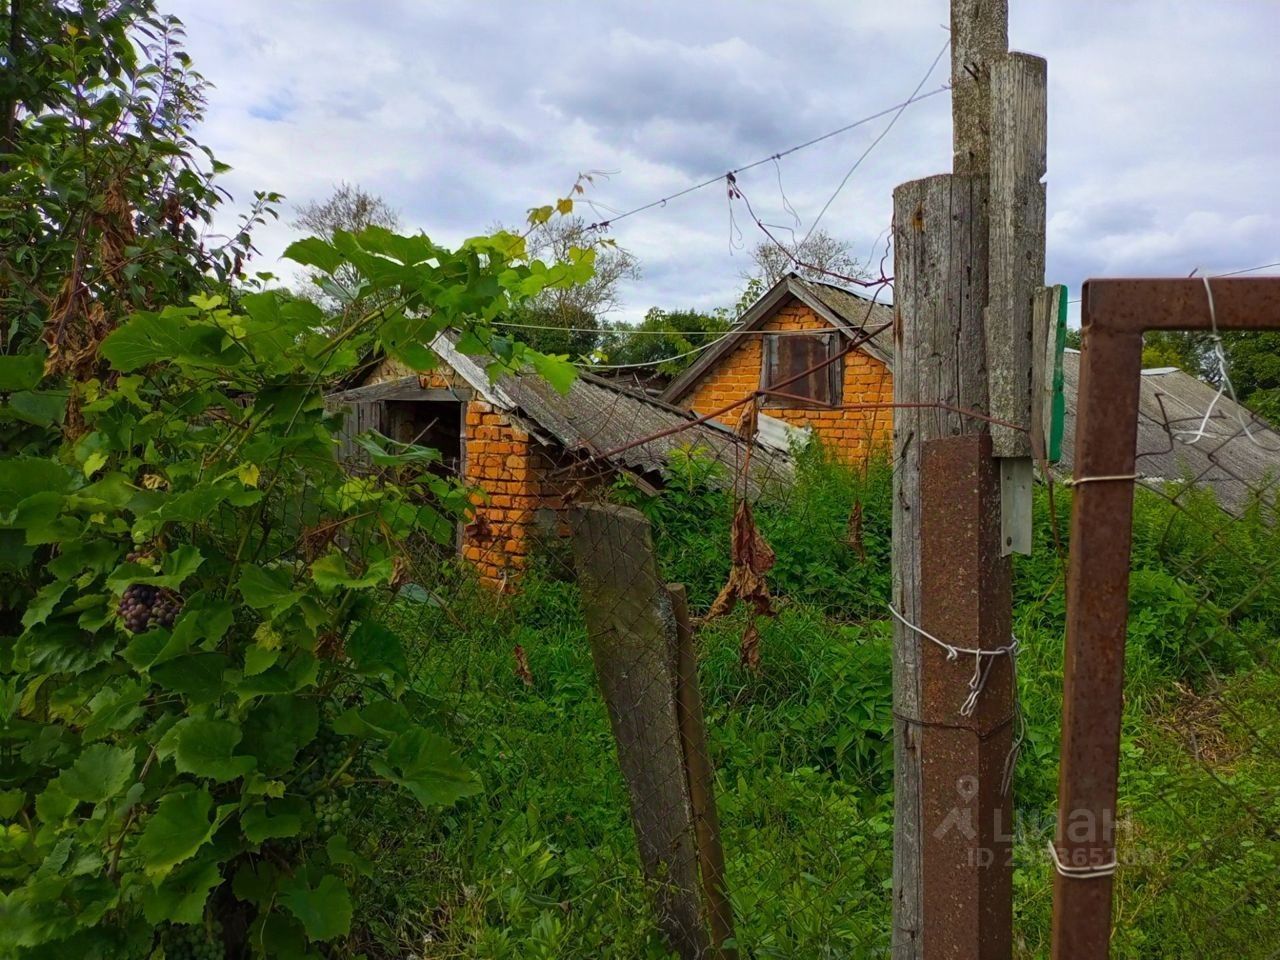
(597, 417)
(1171, 407)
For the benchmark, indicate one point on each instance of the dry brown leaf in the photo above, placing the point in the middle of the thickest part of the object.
(752, 558)
(853, 532)
(523, 673)
(749, 648)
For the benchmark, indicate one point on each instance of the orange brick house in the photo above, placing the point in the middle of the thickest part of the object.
(791, 329)
(528, 451)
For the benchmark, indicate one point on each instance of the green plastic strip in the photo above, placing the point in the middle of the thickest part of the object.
(1059, 409)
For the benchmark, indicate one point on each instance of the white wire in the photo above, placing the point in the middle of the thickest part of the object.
(1081, 873)
(1225, 386)
(654, 363)
(980, 671)
(874, 143)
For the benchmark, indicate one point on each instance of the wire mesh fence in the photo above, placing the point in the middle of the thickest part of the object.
(1198, 820)
(549, 646)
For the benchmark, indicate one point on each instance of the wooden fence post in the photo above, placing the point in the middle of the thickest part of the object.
(632, 631)
(951, 883)
(697, 758)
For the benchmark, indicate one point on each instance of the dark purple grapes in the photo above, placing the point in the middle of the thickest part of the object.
(143, 607)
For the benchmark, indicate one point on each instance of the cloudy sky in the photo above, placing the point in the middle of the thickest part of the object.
(1164, 120)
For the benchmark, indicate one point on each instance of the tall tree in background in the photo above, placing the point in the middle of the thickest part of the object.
(820, 256)
(575, 312)
(665, 339)
(350, 208)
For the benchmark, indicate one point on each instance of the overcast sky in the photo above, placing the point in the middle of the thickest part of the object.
(1164, 120)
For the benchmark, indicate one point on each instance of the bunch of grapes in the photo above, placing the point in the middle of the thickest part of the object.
(143, 606)
(327, 753)
(331, 813)
(198, 942)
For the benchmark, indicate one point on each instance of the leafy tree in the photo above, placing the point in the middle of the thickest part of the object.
(573, 314)
(195, 678)
(819, 257)
(1253, 363)
(663, 334)
(1174, 349)
(105, 195)
(349, 208)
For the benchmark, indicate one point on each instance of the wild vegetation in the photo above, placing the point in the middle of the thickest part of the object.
(541, 863)
(239, 718)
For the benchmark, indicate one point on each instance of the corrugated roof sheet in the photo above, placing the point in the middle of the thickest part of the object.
(1172, 406)
(596, 418)
(858, 312)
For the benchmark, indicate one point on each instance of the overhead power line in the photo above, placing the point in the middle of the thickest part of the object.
(874, 143)
(692, 188)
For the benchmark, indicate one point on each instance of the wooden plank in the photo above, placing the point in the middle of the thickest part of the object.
(940, 233)
(1018, 145)
(979, 33)
(401, 388)
(631, 629)
(697, 759)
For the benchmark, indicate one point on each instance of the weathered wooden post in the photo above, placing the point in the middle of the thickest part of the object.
(968, 265)
(632, 629)
(697, 759)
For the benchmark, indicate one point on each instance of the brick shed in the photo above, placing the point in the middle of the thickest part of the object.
(528, 451)
(793, 327)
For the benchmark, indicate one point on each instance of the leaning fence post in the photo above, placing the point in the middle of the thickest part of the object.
(631, 628)
(697, 759)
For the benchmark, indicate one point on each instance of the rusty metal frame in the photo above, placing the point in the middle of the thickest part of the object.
(1114, 315)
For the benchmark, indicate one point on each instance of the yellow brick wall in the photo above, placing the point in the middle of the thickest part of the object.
(853, 434)
(498, 455)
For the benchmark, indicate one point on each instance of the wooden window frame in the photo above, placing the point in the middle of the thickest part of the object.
(834, 371)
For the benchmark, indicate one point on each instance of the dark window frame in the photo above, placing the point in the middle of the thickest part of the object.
(776, 366)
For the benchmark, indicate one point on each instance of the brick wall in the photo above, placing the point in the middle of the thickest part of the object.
(853, 434)
(522, 487)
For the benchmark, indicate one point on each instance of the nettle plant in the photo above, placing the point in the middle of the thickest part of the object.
(200, 675)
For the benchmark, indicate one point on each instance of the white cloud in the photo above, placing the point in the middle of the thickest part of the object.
(1162, 119)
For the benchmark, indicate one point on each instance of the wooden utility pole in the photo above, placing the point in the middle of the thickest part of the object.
(969, 255)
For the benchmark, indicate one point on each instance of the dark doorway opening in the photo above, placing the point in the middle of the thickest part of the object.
(430, 423)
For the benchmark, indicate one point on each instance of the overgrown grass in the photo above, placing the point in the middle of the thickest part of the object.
(542, 864)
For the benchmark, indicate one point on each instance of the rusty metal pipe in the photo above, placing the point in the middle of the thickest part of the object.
(1114, 315)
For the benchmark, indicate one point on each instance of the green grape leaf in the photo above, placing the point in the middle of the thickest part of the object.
(205, 748)
(375, 649)
(267, 589)
(179, 827)
(99, 773)
(314, 252)
(330, 572)
(324, 910)
(198, 676)
(273, 819)
(181, 896)
(20, 371)
(277, 728)
(426, 765)
(557, 371)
